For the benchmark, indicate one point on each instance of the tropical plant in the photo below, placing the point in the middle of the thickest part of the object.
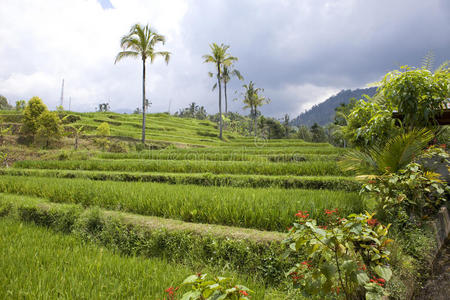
(346, 257)
(140, 42)
(370, 122)
(409, 193)
(253, 100)
(202, 287)
(398, 152)
(220, 58)
(420, 95)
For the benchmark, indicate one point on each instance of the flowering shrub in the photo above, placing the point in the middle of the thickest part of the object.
(204, 288)
(408, 193)
(346, 258)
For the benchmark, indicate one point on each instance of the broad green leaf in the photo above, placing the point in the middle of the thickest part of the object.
(192, 295)
(362, 278)
(328, 270)
(383, 272)
(191, 279)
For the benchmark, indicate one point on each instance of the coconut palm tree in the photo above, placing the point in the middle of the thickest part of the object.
(220, 58)
(140, 42)
(227, 73)
(253, 100)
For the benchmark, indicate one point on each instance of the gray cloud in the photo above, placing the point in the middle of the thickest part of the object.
(301, 52)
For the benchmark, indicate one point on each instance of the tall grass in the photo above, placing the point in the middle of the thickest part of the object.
(312, 168)
(267, 209)
(40, 264)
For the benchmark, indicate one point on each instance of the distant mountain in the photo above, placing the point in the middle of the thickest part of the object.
(323, 113)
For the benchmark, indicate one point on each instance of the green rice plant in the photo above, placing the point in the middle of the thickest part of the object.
(42, 264)
(204, 179)
(267, 209)
(217, 156)
(313, 168)
(195, 245)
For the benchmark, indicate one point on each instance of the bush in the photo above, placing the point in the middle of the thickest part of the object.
(103, 129)
(71, 119)
(48, 127)
(411, 193)
(118, 147)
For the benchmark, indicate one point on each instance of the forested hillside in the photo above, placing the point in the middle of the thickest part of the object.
(323, 113)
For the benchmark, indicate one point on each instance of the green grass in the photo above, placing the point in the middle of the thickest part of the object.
(41, 264)
(204, 179)
(311, 168)
(267, 209)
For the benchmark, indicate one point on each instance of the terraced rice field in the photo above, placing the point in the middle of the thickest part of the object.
(242, 183)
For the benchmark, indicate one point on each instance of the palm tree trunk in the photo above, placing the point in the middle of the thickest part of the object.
(254, 121)
(143, 101)
(226, 100)
(220, 101)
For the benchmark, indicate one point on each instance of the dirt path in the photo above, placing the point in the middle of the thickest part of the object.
(438, 286)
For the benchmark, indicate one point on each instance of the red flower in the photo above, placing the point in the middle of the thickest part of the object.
(171, 291)
(372, 181)
(323, 227)
(379, 281)
(199, 275)
(330, 212)
(289, 228)
(244, 293)
(302, 214)
(372, 222)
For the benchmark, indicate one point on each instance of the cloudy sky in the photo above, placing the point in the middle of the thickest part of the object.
(300, 51)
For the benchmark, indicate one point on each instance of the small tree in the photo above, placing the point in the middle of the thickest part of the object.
(304, 133)
(3, 132)
(49, 127)
(31, 114)
(318, 134)
(104, 131)
(4, 105)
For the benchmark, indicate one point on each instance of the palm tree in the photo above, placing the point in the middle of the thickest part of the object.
(140, 43)
(253, 100)
(220, 58)
(227, 73)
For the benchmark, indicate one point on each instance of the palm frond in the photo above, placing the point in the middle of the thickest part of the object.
(392, 157)
(402, 149)
(124, 54)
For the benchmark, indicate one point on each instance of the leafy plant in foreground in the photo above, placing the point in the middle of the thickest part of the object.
(204, 288)
(411, 192)
(347, 257)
